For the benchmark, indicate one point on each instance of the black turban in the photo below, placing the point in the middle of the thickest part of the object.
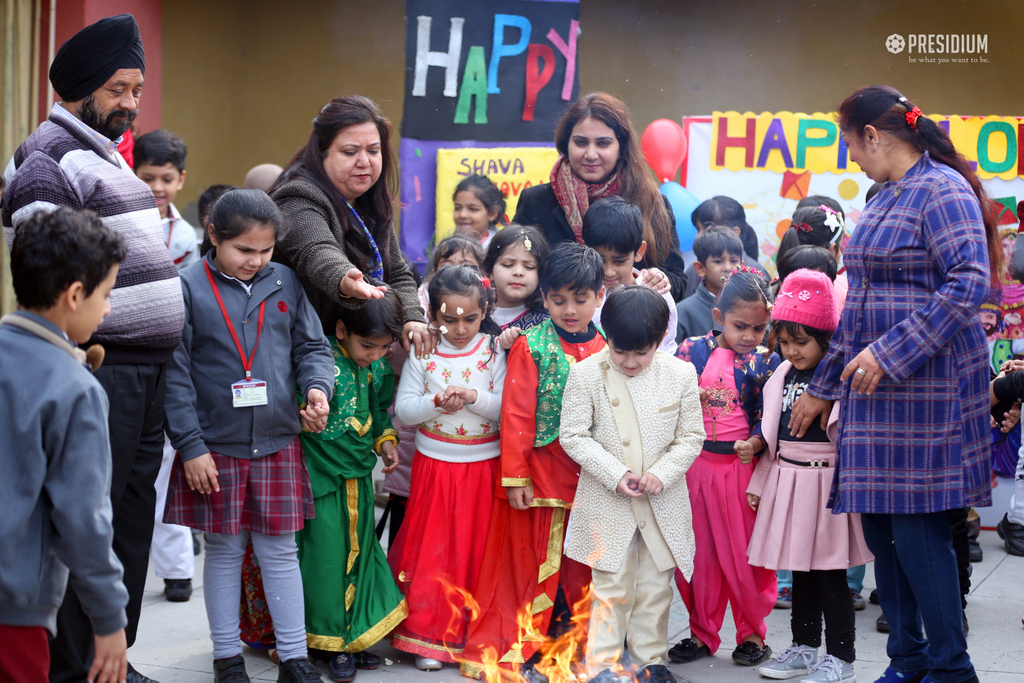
(90, 57)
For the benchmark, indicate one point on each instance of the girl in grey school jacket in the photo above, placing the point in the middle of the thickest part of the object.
(292, 355)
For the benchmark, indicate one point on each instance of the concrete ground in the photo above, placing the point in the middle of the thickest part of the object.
(173, 644)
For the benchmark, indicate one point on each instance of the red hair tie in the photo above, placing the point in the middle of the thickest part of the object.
(803, 227)
(486, 282)
(912, 117)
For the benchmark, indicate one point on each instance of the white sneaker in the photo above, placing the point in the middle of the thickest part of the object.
(792, 662)
(831, 670)
(428, 664)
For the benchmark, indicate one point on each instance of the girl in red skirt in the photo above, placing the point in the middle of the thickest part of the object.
(733, 367)
(251, 339)
(454, 395)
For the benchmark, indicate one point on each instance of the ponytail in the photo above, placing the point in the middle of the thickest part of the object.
(888, 110)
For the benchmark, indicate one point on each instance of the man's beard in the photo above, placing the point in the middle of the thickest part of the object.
(113, 126)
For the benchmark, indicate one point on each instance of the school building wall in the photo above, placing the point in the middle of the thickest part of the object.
(242, 80)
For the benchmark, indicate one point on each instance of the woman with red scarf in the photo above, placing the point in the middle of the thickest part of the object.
(599, 157)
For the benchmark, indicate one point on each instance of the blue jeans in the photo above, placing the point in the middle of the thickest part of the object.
(918, 583)
(855, 577)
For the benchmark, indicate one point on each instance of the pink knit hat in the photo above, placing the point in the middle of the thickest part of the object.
(807, 298)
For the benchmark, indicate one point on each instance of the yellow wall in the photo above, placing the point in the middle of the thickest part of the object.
(243, 80)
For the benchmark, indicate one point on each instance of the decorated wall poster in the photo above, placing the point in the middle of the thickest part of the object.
(479, 74)
(769, 161)
(512, 169)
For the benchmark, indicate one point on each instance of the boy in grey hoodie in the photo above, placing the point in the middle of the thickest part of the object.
(55, 514)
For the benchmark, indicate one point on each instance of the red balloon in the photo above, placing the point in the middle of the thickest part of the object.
(664, 147)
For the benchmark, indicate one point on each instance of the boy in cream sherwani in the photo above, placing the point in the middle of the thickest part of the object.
(631, 417)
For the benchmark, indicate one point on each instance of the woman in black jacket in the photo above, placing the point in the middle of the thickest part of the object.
(599, 157)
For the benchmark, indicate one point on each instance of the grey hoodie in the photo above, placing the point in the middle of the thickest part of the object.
(55, 490)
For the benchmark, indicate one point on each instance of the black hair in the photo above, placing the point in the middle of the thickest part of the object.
(514, 234)
(810, 257)
(53, 250)
(464, 281)
(452, 245)
(159, 148)
(238, 211)
(487, 192)
(573, 266)
(634, 318)
(207, 199)
(375, 318)
(716, 241)
(744, 286)
(727, 212)
(792, 329)
(614, 223)
(886, 109)
(808, 227)
(872, 191)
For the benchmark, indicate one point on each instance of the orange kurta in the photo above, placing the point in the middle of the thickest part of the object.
(523, 562)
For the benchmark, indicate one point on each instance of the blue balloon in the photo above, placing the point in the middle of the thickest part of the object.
(683, 203)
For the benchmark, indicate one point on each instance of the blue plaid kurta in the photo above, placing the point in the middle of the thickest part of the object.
(918, 269)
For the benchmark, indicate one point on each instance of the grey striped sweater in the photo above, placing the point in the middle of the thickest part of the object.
(61, 165)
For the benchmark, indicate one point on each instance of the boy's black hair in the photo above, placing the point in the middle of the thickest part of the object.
(634, 318)
(487, 192)
(452, 245)
(792, 329)
(52, 251)
(237, 211)
(744, 286)
(573, 266)
(810, 257)
(206, 202)
(375, 318)
(513, 234)
(615, 224)
(716, 241)
(158, 148)
(465, 281)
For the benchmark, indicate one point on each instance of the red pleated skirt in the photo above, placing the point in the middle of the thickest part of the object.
(438, 552)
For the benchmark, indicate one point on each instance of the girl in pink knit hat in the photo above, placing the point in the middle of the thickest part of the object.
(790, 488)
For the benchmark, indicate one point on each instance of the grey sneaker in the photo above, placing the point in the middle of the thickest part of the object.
(792, 662)
(831, 670)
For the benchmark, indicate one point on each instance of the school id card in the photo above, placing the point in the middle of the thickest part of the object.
(249, 392)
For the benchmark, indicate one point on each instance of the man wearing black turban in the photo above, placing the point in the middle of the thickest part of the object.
(98, 74)
(72, 160)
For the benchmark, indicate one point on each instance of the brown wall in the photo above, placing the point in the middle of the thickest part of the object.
(242, 80)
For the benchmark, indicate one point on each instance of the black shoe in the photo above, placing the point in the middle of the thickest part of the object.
(974, 552)
(749, 654)
(366, 660)
(298, 671)
(1012, 535)
(967, 627)
(655, 673)
(196, 548)
(882, 624)
(178, 590)
(230, 670)
(873, 596)
(135, 677)
(341, 666)
(686, 650)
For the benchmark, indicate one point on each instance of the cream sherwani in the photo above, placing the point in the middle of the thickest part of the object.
(611, 424)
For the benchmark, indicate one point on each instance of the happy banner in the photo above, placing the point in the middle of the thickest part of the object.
(811, 142)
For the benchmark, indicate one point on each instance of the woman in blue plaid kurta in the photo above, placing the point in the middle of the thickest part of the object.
(917, 444)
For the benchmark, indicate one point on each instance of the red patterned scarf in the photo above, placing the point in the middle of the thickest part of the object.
(574, 194)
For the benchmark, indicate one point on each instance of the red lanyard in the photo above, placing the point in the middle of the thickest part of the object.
(247, 364)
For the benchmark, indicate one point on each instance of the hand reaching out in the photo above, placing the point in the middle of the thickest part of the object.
(508, 337)
(656, 280)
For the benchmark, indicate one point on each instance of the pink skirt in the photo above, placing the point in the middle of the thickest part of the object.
(794, 529)
(270, 495)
